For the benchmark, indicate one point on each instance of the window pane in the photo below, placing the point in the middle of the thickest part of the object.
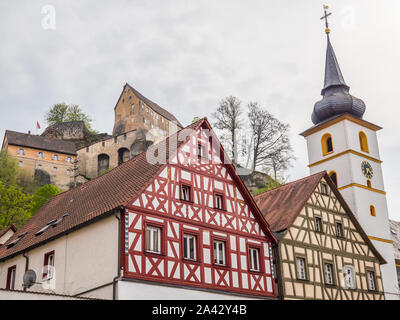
(148, 236)
(191, 247)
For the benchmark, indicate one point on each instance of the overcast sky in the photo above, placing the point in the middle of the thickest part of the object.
(188, 55)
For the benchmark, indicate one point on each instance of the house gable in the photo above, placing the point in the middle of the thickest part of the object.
(238, 224)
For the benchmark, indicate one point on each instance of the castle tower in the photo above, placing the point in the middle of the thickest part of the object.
(346, 146)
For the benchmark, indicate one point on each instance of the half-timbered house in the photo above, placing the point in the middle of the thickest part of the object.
(175, 222)
(323, 253)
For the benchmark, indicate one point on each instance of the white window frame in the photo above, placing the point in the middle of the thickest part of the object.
(301, 268)
(153, 239)
(40, 155)
(349, 277)
(254, 258)
(328, 268)
(201, 150)
(371, 280)
(190, 247)
(186, 195)
(68, 159)
(12, 278)
(56, 157)
(55, 169)
(219, 252)
(21, 151)
(339, 230)
(219, 201)
(319, 226)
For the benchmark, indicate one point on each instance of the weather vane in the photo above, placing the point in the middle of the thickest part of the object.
(326, 15)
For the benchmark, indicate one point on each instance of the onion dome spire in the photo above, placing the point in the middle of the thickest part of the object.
(336, 98)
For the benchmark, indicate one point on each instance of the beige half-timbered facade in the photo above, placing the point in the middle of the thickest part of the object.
(323, 253)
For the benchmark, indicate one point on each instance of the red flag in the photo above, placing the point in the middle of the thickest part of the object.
(37, 125)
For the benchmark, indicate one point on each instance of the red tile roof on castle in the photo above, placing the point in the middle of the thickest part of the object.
(39, 142)
(90, 201)
(280, 206)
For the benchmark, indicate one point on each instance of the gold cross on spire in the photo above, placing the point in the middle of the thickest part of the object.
(326, 15)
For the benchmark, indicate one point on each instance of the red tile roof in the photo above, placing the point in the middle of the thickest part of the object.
(281, 206)
(38, 142)
(89, 201)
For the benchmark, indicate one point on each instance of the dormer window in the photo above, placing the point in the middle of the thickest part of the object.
(15, 241)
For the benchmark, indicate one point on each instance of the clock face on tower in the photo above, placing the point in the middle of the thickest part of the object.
(366, 169)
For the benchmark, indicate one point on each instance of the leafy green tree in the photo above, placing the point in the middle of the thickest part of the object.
(15, 206)
(42, 195)
(8, 168)
(62, 112)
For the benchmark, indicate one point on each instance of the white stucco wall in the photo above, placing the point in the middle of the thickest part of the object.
(84, 259)
(128, 290)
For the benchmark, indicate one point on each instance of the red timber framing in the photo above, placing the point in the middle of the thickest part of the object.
(239, 224)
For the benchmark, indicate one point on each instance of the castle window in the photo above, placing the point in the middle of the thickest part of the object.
(132, 107)
(254, 259)
(68, 172)
(363, 142)
(369, 184)
(132, 119)
(301, 268)
(189, 247)
(103, 143)
(115, 139)
(39, 155)
(333, 176)
(329, 273)
(21, 152)
(55, 157)
(39, 167)
(54, 169)
(219, 252)
(124, 136)
(318, 224)
(87, 149)
(371, 280)
(11, 272)
(372, 210)
(326, 144)
(103, 163)
(339, 230)
(20, 163)
(68, 159)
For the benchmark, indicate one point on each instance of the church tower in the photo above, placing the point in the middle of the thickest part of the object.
(346, 146)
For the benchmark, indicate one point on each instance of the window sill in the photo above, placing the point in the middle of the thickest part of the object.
(221, 266)
(154, 254)
(187, 201)
(186, 260)
(258, 272)
(327, 154)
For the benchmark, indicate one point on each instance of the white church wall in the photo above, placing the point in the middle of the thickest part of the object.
(353, 130)
(84, 259)
(337, 131)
